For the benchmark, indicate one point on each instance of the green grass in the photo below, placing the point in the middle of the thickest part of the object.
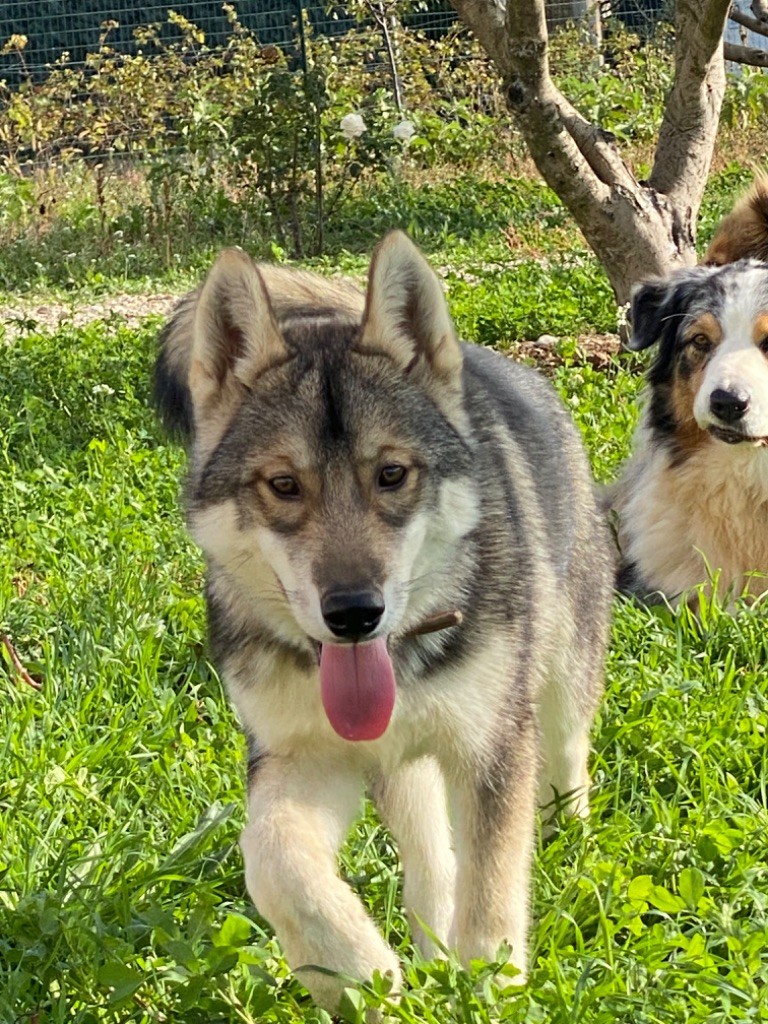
(122, 779)
(541, 277)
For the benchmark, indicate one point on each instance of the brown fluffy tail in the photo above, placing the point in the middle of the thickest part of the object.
(743, 233)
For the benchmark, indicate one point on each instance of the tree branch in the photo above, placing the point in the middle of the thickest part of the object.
(597, 146)
(380, 17)
(758, 27)
(746, 55)
(518, 47)
(689, 127)
(636, 229)
(18, 665)
(573, 156)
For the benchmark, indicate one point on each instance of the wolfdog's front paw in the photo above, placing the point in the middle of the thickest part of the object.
(326, 977)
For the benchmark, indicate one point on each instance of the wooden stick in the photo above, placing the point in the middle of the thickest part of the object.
(17, 664)
(442, 620)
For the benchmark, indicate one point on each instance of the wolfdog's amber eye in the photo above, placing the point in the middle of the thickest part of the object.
(391, 477)
(285, 486)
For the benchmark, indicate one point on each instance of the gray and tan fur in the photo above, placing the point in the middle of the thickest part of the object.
(692, 503)
(348, 444)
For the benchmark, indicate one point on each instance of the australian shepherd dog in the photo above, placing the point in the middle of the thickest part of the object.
(691, 506)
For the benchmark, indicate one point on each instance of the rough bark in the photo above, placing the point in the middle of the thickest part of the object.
(636, 229)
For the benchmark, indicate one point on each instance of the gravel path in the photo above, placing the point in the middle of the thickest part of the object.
(132, 308)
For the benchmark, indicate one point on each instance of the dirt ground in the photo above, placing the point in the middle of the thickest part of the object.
(49, 315)
(598, 350)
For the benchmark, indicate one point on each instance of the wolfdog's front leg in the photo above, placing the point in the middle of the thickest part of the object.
(494, 820)
(299, 815)
(412, 802)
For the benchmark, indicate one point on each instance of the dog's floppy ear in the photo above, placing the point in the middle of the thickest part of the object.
(235, 336)
(659, 304)
(406, 315)
(649, 306)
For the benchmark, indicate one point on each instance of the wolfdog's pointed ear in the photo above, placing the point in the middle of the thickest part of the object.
(236, 337)
(406, 314)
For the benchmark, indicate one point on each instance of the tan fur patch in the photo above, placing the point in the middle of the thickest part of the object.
(689, 435)
(760, 329)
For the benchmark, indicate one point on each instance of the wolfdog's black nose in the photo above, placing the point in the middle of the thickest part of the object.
(352, 614)
(728, 406)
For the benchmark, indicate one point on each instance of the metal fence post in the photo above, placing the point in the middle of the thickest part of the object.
(311, 93)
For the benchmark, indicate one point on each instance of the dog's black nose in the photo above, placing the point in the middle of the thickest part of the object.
(352, 614)
(728, 406)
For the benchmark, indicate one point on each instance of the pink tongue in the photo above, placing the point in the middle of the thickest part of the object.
(357, 683)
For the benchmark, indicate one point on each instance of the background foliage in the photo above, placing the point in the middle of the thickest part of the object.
(133, 161)
(121, 779)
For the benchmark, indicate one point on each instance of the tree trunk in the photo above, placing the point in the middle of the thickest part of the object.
(636, 229)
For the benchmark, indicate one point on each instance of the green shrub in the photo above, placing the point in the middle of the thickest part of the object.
(191, 145)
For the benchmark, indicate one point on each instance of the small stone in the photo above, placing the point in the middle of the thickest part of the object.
(547, 340)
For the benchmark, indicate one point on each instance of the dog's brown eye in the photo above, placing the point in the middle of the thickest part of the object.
(700, 342)
(285, 486)
(392, 477)
(764, 345)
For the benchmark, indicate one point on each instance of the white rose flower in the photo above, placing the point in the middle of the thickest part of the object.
(352, 126)
(404, 131)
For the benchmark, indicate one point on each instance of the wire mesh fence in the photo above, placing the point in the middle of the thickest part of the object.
(79, 27)
(53, 28)
(79, 77)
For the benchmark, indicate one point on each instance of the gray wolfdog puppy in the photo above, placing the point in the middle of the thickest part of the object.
(357, 479)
